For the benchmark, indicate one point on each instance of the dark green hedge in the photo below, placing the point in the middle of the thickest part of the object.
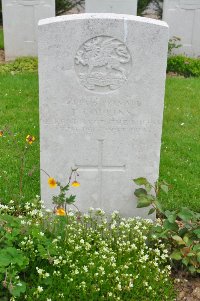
(184, 66)
(179, 65)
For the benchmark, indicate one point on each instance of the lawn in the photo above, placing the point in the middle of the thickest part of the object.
(1, 39)
(19, 112)
(180, 154)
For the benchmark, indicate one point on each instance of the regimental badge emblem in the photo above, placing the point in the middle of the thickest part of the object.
(103, 64)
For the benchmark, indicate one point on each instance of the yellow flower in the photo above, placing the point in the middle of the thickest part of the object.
(1, 133)
(52, 182)
(75, 184)
(30, 139)
(60, 212)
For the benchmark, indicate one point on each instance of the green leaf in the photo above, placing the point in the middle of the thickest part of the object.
(151, 211)
(197, 232)
(185, 214)
(159, 206)
(71, 199)
(192, 269)
(48, 281)
(164, 234)
(141, 181)
(196, 247)
(164, 188)
(191, 254)
(143, 202)
(66, 188)
(185, 261)
(183, 231)
(148, 187)
(171, 216)
(4, 260)
(18, 289)
(140, 192)
(176, 255)
(178, 239)
(42, 250)
(170, 226)
(187, 240)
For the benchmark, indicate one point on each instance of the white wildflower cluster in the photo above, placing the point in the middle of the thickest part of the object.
(106, 257)
(102, 257)
(32, 209)
(42, 273)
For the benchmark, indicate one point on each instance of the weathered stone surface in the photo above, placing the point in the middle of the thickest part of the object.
(102, 79)
(20, 22)
(183, 18)
(111, 6)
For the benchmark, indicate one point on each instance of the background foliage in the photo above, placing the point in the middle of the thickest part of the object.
(64, 5)
(183, 65)
(143, 5)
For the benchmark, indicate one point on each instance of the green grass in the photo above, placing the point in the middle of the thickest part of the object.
(19, 112)
(180, 155)
(1, 39)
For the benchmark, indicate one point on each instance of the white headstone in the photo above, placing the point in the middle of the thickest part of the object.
(20, 24)
(111, 6)
(183, 18)
(102, 80)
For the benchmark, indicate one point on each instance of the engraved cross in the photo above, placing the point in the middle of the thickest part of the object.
(100, 167)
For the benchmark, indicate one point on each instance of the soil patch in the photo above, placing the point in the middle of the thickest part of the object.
(188, 288)
(2, 56)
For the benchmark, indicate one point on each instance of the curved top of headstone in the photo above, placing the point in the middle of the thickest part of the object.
(111, 16)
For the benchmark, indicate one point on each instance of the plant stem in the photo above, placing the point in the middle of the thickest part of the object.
(22, 171)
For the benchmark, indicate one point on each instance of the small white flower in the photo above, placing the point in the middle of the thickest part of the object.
(56, 261)
(41, 214)
(119, 287)
(40, 271)
(40, 289)
(85, 269)
(131, 283)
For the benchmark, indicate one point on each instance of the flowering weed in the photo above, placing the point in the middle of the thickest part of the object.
(81, 257)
